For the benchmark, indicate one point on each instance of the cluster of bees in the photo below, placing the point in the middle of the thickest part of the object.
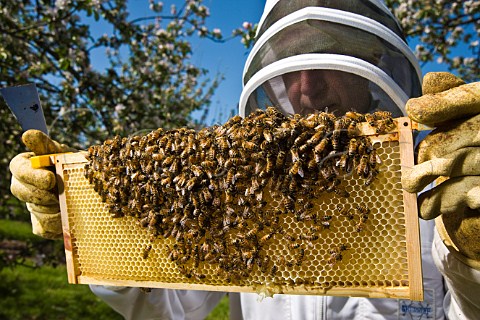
(222, 193)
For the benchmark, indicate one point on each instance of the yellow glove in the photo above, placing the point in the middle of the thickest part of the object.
(451, 153)
(37, 187)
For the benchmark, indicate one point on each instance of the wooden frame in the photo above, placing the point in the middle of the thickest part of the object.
(413, 291)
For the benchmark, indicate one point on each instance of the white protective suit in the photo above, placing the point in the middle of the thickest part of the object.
(363, 38)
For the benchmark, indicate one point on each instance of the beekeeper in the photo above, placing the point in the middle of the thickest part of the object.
(336, 56)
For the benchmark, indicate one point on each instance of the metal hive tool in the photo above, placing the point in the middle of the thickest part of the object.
(334, 252)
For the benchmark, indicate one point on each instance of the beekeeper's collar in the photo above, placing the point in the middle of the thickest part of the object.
(360, 37)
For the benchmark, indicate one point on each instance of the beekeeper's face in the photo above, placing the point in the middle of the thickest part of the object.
(311, 91)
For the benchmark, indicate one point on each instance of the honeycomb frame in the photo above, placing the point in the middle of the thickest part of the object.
(383, 260)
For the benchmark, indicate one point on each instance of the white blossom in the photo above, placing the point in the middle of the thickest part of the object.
(469, 60)
(61, 4)
(119, 107)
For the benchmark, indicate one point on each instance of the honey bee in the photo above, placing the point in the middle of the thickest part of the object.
(206, 196)
(342, 161)
(360, 226)
(150, 150)
(370, 119)
(325, 224)
(173, 253)
(249, 145)
(168, 161)
(211, 154)
(281, 133)
(203, 220)
(268, 168)
(216, 201)
(252, 233)
(300, 257)
(273, 112)
(196, 256)
(361, 146)
(234, 162)
(342, 192)
(296, 169)
(344, 210)
(230, 179)
(336, 140)
(169, 146)
(289, 203)
(309, 237)
(352, 128)
(268, 135)
(295, 155)
(382, 115)
(196, 200)
(196, 170)
(315, 138)
(229, 197)
(383, 126)
(280, 160)
(343, 247)
(355, 116)
(303, 215)
(186, 272)
(197, 275)
(180, 180)
(263, 263)
(352, 147)
(137, 177)
(363, 168)
(312, 164)
(175, 167)
(205, 248)
(335, 256)
(371, 177)
(289, 237)
(223, 143)
(327, 173)
(144, 222)
(321, 147)
(374, 159)
(301, 139)
(273, 270)
(266, 237)
(234, 120)
(134, 204)
(204, 142)
(363, 211)
(146, 251)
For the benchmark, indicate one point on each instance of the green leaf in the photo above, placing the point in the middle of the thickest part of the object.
(64, 64)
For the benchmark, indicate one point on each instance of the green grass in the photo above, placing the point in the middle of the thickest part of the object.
(221, 311)
(43, 293)
(28, 292)
(18, 230)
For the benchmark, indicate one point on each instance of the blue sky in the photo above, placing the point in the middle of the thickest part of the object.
(227, 58)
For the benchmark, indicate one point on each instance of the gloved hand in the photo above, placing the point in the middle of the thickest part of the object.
(37, 187)
(450, 154)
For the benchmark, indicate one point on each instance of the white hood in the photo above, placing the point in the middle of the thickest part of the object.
(359, 37)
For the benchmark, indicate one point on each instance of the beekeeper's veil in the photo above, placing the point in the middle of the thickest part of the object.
(360, 37)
